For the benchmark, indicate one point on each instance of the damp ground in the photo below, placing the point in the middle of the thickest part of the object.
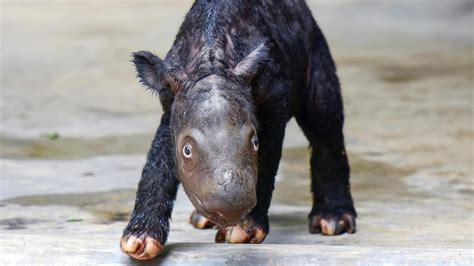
(76, 126)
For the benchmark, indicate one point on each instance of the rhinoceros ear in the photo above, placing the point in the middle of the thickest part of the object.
(248, 67)
(154, 72)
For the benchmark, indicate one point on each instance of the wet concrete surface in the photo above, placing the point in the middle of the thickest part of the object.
(406, 69)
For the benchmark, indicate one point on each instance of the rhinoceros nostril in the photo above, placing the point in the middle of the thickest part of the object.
(217, 217)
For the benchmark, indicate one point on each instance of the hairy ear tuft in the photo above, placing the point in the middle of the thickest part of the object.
(248, 67)
(153, 72)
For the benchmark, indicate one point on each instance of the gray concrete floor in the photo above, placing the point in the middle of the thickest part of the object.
(406, 69)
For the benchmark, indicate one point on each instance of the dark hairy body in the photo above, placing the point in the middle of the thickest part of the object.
(272, 61)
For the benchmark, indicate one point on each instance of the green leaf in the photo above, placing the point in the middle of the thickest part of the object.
(52, 135)
(74, 220)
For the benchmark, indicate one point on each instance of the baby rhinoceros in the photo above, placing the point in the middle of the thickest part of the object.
(237, 72)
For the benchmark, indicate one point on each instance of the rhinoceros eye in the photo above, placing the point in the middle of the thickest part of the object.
(254, 141)
(187, 150)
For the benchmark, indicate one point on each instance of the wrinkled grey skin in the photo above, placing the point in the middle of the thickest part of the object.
(219, 175)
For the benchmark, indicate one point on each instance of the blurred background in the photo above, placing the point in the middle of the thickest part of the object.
(76, 126)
